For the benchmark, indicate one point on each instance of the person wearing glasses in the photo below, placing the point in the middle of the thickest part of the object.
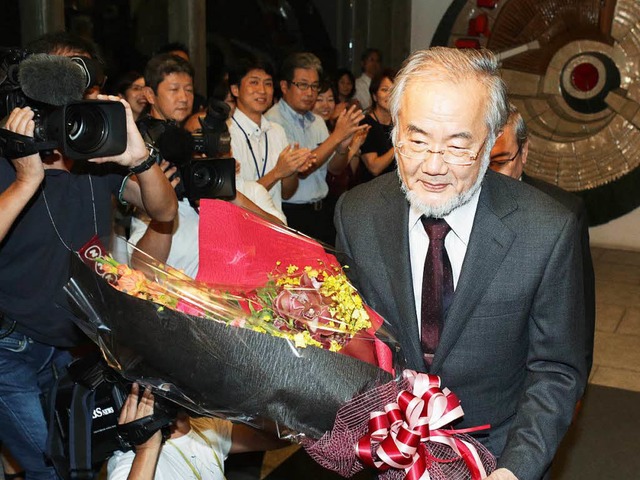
(509, 156)
(478, 275)
(300, 83)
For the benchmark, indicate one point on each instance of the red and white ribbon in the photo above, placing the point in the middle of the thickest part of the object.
(397, 436)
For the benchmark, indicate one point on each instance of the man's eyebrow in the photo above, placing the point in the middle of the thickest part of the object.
(411, 128)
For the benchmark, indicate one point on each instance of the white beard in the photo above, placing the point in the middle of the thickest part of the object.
(441, 211)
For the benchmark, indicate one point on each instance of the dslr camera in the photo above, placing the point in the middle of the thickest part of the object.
(53, 86)
(213, 175)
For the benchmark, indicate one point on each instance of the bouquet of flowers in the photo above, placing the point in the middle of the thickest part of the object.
(271, 330)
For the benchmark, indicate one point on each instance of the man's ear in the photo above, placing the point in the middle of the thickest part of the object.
(284, 86)
(149, 95)
(525, 152)
(500, 133)
(235, 91)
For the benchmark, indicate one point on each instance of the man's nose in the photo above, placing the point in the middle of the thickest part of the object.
(433, 163)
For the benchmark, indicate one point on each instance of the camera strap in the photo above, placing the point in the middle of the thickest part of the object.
(13, 145)
(255, 160)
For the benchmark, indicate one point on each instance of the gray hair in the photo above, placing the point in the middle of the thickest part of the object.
(519, 127)
(305, 60)
(455, 65)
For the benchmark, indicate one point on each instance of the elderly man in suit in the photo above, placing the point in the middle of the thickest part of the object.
(509, 156)
(499, 315)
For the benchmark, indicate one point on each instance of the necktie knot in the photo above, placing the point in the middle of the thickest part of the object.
(436, 228)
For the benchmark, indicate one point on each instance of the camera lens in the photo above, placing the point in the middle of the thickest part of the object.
(86, 128)
(204, 176)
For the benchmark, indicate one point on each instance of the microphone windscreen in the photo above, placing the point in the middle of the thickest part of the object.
(51, 79)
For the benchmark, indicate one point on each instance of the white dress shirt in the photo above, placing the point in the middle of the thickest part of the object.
(363, 82)
(455, 243)
(267, 141)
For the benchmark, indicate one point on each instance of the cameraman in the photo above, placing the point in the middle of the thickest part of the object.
(50, 208)
(197, 448)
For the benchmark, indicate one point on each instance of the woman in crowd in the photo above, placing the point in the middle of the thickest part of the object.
(377, 155)
(346, 89)
(325, 107)
(130, 86)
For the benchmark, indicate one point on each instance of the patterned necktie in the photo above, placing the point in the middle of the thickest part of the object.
(437, 287)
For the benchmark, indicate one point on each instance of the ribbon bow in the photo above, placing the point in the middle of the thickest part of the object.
(398, 435)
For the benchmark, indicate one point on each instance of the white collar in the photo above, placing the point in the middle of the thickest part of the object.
(249, 126)
(460, 220)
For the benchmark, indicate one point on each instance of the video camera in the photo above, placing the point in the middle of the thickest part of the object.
(53, 86)
(213, 176)
(83, 412)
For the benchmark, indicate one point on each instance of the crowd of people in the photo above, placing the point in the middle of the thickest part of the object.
(373, 165)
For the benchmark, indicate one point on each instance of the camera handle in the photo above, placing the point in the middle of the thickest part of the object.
(139, 431)
(13, 145)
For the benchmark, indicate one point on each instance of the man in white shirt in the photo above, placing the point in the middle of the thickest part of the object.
(259, 145)
(300, 82)
(197, 448)
(371, 62)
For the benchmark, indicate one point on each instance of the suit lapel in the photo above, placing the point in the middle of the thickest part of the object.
(397, 266)
(489, 243)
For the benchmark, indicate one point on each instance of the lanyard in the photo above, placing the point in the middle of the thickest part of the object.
(188, 462)
(255, 160)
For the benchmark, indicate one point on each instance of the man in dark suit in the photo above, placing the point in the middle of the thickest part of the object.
(511, 344)
(509, 156)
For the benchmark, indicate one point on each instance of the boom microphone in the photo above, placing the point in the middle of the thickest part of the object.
(52, 79)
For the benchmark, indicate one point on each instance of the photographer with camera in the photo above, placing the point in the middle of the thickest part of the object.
(176, 243)
(196, 448)
(55, 196)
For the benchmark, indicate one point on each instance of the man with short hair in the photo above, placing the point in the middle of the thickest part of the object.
(179, 49)
(509, 156)
(300, 82)
(260, 145)
(371, 64)
(169, 88)
(52, 206)
(478, 275)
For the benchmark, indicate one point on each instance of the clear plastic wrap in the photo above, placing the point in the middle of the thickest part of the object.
(271, 334)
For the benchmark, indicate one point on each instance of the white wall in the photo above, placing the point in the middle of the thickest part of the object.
(623, 232)
(425, 17)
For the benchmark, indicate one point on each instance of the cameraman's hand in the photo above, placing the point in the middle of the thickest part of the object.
(29, 170)
(137, 407)
(169, 171)
(136, 151)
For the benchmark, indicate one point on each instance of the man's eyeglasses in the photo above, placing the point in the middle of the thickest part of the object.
(500, 162)
(450, 155)
(306, 86)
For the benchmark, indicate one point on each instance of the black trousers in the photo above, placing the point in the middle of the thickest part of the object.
(313, 219)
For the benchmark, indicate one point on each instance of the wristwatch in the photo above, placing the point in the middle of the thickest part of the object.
(154, 157)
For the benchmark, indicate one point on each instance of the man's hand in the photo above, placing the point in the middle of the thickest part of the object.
(136, 151)
(170, 171)
(293, 159)
(502, 474)
(348, 123)
(29, 170)
(137, 407)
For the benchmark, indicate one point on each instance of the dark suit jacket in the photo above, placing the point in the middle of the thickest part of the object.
(576, 205)
(512, 345)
